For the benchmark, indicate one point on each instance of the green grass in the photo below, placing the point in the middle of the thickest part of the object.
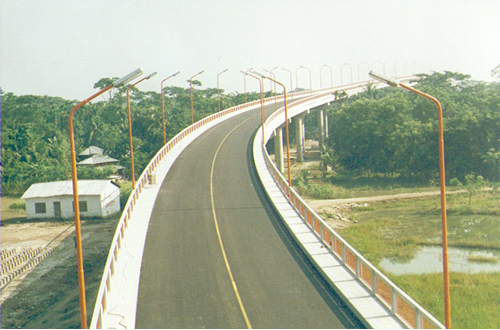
(346, 185)
(397, 228)
(482, 258)
(475, 301)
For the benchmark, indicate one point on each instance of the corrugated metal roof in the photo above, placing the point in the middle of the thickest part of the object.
(98, 159)
(65, 188)
(91, 151)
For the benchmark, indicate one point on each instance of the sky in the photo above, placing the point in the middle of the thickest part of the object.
(63, 47)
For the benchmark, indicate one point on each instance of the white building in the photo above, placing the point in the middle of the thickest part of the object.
(97, 198)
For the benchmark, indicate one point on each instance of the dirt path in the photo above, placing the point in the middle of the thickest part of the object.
(316, 203)
(27, 244)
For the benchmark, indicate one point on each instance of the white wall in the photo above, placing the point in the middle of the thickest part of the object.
(95, 207)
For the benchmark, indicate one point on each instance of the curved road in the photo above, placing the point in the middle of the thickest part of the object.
(216, 254)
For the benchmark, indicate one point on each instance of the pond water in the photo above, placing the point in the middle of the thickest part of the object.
(430, 260)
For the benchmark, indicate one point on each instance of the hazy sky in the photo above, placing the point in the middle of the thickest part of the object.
(62, 47)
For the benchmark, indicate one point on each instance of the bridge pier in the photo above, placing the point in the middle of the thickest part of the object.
(325, 123)
(322, 127)
(278, 149)
(299, 136)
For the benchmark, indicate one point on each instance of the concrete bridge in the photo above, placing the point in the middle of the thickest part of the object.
(214, 237)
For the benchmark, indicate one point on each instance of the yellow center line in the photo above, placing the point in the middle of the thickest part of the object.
(224, 255)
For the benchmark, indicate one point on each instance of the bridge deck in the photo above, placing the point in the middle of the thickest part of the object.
(185, 281)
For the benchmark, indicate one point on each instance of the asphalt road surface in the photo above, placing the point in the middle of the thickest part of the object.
(217, 255)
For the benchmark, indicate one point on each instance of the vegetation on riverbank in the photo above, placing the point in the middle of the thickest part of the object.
(397, 229)
(474, 297)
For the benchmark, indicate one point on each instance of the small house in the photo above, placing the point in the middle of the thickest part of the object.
(97, 198)
(94, 157)
(98, 160)
(91, 151)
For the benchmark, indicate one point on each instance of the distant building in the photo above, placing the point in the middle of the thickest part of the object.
(97, 198)
(94, 157)
(91, 151)
(98, 160)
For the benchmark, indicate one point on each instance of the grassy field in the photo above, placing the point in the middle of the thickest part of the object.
(13, 207)
(475, 302)
(397, 229)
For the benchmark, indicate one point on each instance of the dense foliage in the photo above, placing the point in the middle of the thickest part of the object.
(385, 131)
(395, 132)
(35, 138)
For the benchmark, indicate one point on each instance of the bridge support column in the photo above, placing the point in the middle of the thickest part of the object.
(278, 149)
(299, 137)
(325, 123)
(321, 128)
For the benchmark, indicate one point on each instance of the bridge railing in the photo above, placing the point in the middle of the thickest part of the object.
(382, 288)
(144, 179)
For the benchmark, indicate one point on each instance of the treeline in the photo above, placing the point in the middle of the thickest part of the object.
(35, 138)
(395, 132)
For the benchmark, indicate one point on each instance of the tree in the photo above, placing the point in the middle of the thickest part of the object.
(496, 72)
(473, 184)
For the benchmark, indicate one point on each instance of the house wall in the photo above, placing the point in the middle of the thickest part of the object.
(95, 207)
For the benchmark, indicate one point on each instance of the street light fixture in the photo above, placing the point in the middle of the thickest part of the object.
(262, 113)
(310, 76)
(245, 83)
(81, 278)
(321, 78)
(286, 126)
(218, 90)
(191, 88)
(270, 82)
(291, 79)
(444, 225)
(130, 126)
(163, 107)
(274, 77)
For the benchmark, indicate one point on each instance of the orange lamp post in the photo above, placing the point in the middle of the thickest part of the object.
(245, 83)
(163, 107)
(286, 127)
(130, 127)
(444, 225)
(191, 88)
(274, 77)
(291, 79)
(262, 113)
(218, 90)
(74, 176)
